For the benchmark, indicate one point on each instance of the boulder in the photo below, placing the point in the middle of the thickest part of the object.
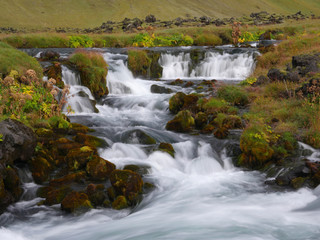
(275, 74)
(160, 89)
(99, 169)
(166, 147)
(17, 143)
(76, 202)
(127, 184)
(120, 203)
(306, 63)
(138, 137)
(49, 55)
(176, 102)
(182, 122)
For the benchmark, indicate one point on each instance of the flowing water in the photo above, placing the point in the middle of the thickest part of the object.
(199, 193)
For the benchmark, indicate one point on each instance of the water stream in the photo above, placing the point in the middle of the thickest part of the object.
(199, 194)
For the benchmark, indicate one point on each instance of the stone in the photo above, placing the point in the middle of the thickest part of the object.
(49, 55)
(18, 142)
(76, 202)
(99, 169)
(182, 122)
(160, 89)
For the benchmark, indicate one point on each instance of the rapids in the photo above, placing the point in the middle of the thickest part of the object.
(199, 194)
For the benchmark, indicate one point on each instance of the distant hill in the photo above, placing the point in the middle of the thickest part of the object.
(91, 13)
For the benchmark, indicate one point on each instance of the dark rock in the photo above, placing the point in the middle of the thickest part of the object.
(49, 55)
(275, 74)
(306, 63)
(265, 36)
(18, 142)
(293, 77)
(160, 89)
(76, 202)
(150, 18)
(262, 80)
(141, 170)
(120, 203)
(176, 102)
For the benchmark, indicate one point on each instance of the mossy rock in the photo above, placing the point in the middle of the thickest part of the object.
(298, 182)
(44, 133)
(182, 122)
(40, 169)
(120, 203)
(57, 122)
(96, 194)
(139, 169)
(111, 193)
(201, 120)
(166, 147)
(3, 191)
(155, 68)
(127, 183)
(176, 102)
(55, 196)
(79, 128)
(76, 202)
(90, 140)
(138, 137)
(68, 179)
(209, 128)
(255, 147)
(79, 157)
(12, 182)
(64, 145)
(99, 169)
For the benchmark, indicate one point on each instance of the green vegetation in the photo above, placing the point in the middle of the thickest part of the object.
(234, 95)
(54, 13)
(147, 40)
(12, 59)
(93, 71)
(139, 62)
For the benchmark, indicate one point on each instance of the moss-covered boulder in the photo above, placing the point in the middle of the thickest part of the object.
(79, 157)
(128, 184)
(201, 120)
(55, 196)
(93, 71)
(64, 145)
(99, 169)
(120, 203)
(76, 202)
(12, 182)
(96, 194)
(255, 147)
(68, 179)
(176, 102)
(138, 137)
(182, 122)
(90, 140)
(166, 147)
(40, 168)
(139, 169)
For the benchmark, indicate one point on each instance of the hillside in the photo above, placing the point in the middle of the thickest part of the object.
(89, 13)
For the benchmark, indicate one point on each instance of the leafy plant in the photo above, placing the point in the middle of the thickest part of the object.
(81, 41)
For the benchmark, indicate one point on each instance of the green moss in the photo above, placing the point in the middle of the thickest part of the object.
(176, 102)
(93, 71)
(139, 62)
(234, 95)
(182, 122)
(59, 122)
(99, 169)
(120, 203)
(207, 40)
(255, 147)
(167, 147)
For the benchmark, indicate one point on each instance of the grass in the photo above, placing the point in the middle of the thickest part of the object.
(83, 13)
(93, 71)
(13, 59)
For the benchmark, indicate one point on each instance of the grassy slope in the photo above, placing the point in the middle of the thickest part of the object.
(89, 13)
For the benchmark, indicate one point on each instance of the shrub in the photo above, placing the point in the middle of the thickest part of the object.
(214, 105)
(234, 95)
(81, 41)
(93, 71)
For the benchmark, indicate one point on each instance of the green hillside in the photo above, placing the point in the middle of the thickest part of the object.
(90, 13)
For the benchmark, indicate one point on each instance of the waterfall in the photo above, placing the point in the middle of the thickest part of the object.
(80, 98)
(215, 65)
(120, 79)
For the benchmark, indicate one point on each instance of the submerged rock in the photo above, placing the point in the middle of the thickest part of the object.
(138, 137)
